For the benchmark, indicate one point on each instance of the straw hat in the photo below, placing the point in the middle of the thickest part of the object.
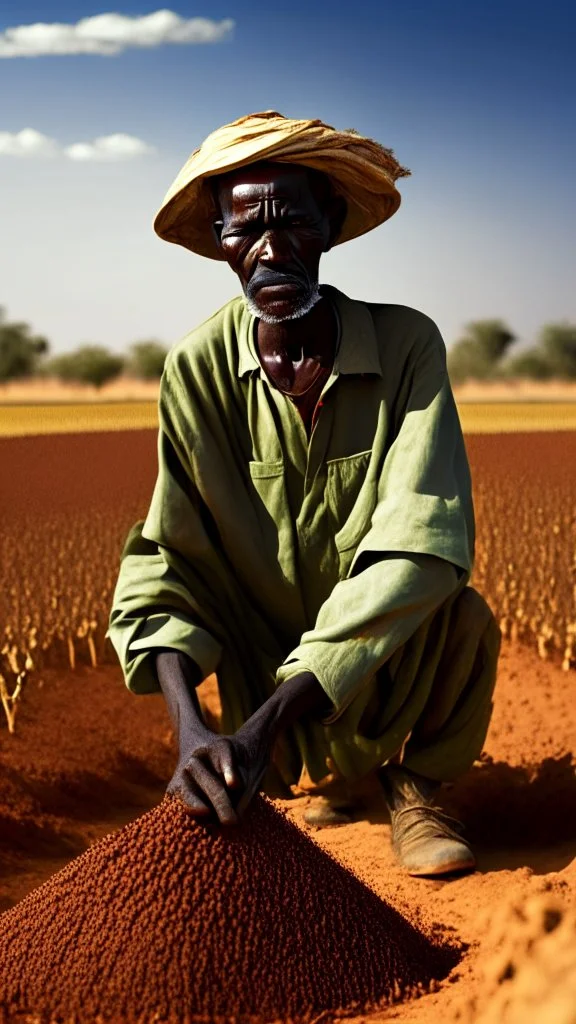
(360, 169)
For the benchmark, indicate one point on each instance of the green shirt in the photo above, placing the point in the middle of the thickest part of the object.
(323, 554)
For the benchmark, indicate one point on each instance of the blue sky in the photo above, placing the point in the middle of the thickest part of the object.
(478, 100)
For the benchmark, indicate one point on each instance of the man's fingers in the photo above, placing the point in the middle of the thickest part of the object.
(189, 795)
(222, 759)
(214, 789)
(252, 787)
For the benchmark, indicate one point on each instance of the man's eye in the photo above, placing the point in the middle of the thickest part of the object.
(238, 232)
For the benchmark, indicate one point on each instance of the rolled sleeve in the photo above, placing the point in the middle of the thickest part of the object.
(175, 631)
(365, 620)
(152, 608)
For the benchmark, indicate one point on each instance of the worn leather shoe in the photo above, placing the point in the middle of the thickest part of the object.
(324, 812)
(427, 841)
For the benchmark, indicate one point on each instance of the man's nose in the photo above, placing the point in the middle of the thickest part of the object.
(274, 248)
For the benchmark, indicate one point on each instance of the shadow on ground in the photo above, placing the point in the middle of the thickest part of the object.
(519, 816)
(514, 815)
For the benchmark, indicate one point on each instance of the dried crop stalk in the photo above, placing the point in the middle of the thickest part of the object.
(10, 700)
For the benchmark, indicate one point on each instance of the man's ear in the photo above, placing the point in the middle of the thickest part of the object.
(336, 212)
(217, 226)
(218, 221)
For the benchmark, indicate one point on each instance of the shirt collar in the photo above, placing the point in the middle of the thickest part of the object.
(247, 358)
(358, 349)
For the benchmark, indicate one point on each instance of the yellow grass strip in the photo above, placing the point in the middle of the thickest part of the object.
(475, 417)
(19, 420)
(502, 418)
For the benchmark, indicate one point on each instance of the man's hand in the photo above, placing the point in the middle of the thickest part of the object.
(217, 776)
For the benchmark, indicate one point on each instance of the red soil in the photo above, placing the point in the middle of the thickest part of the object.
(170, 919)
(88, 757)
(73, 471)
(53, 473)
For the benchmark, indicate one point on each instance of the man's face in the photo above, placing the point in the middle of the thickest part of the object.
(276, 221)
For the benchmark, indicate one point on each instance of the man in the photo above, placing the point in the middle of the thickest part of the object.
(311, 534)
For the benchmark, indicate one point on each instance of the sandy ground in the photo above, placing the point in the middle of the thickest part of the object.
(516, 391)
(127, 389)
(122, 389)
(88, 757)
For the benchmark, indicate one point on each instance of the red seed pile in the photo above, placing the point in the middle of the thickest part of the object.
(169, 920)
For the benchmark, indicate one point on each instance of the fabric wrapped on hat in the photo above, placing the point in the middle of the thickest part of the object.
(361, 170)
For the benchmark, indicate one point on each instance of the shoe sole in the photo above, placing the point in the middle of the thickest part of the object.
(328, 822)
(443, 869)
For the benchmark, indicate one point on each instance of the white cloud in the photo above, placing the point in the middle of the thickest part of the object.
(27, 142)
(110, 34)
(30, 143)
(109, 147)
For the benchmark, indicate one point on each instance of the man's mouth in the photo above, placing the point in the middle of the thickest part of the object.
(286, 286)
(275, 283)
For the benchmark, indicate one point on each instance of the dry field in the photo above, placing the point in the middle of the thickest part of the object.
(87, 757)
(68, 501)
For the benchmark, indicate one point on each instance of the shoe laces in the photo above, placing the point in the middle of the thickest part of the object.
(424, 821)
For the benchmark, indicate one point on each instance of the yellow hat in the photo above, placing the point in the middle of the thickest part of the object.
(360, 169)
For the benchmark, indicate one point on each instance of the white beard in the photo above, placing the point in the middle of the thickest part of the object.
(303, 307)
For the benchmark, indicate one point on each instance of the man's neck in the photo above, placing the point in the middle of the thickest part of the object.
(310, 337)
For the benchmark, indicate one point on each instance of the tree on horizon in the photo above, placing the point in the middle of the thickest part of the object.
(20, 350)
(479, 352)
(88, 364)
(146, 359)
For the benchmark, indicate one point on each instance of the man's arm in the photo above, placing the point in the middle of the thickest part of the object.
(217, 776)
(166, 640)
(365, 620)
(206, 771)
(153, 609)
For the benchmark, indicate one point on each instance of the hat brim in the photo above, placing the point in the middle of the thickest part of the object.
(188, 213)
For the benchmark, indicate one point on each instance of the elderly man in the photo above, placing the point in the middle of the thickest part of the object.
(310, 538)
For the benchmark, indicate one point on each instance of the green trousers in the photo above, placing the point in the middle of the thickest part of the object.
(428, 707)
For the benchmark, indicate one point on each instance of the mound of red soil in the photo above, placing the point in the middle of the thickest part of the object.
(172, 920)
(528, 975)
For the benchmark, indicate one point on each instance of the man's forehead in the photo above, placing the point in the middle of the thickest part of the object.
(265, 173)
(291, 180)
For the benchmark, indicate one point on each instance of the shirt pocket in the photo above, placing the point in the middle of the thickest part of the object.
(350, 495)
(267, 470)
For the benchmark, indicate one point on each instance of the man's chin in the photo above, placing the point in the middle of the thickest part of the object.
(281, 312)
